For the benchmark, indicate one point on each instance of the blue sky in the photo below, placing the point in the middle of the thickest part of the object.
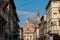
(28, 8)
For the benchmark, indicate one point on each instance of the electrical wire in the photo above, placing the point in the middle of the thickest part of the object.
(26, 3)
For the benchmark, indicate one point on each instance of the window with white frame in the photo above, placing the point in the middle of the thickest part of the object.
(54, 15)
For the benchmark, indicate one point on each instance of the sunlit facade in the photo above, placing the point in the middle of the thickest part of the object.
(31, 30)
(53, 19)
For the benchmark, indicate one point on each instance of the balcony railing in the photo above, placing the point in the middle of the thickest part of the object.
(54, 29)
(3, 15)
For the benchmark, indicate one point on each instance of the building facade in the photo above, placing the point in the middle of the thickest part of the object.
(43, 28)
(21, 33)
(53, 19)
(31, 29)
(8, 19)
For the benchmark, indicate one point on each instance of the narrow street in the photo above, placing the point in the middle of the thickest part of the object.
(29, 19)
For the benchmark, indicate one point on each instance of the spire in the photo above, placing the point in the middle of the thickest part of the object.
(38, 16)
(27, 20)
(37, 12)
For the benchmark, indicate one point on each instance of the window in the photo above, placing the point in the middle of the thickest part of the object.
(59, 11)
(59, 22)
(30, 36)
(27, 39)
(54, 27)
(54, 15)
(6, 36)
(59, 2)
(5, 11)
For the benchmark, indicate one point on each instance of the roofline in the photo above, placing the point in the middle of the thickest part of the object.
(14, 7)
(12, 3)
(21, 28)
(48, 4)
(17, 16)
(42, 18)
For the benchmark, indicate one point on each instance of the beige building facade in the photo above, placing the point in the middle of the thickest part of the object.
(53, 19)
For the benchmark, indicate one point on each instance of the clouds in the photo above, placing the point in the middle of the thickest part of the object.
(23, 15)
(27, 14)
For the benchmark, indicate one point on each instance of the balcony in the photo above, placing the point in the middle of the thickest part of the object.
(53, 29)
(3, 17)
